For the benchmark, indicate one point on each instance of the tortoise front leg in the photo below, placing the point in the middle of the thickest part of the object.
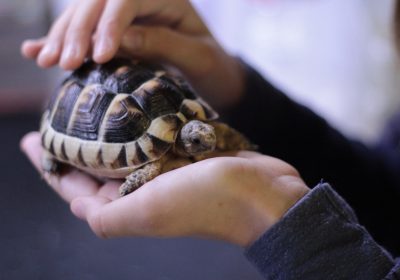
(50, 164)
(139, 177)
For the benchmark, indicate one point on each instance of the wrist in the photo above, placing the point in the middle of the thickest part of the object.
(267, 205)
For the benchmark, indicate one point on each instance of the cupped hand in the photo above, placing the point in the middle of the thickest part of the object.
(232, 198)
(167, 31)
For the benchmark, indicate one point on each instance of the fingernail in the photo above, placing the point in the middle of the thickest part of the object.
(133, 42)
(69, 55)
(102, 46)
(70, 52)
(48, 50)
(45, 54)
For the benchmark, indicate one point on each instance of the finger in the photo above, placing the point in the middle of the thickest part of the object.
(31, 48)
(30, 145)
(161, 207)
(215, 74)
(88, 209)
(107, 218)
(275, 165)
(171, 47)
(50, 53)
(178, 15)
(248, 154)
(116, 17)
(166, 206)
(263, 160)
(70, 185)
(95, 209)
(241, 154)
(110, 189)
(78, 35)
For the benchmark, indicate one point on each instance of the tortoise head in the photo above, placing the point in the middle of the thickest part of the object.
(197, 137)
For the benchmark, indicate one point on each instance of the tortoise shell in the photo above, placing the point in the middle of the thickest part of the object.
(113, 118)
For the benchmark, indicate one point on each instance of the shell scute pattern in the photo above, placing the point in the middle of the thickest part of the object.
(124, 121)
(121, 159)
(183, 86)
(164, 127)
(153, 98)
(127, 79)
(118, 115)
(90, 153)
(89, 111)
(117, 78)
(67, 96)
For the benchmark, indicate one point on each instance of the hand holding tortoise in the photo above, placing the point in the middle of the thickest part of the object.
(126, 119)
(168, 31)
(234, 199)
(231, 198)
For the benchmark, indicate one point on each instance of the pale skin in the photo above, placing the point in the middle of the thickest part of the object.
(169, 31)
(235, 197)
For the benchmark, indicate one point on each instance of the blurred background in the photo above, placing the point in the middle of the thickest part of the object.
(337, 57)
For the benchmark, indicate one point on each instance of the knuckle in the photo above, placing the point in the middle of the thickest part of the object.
(77, 30)
(282, 166)
(153, 36)
(160, 35)
(293, 171)
(240, 168)
(224, 167)
(56, 30)
(112, 24)
(131, 32)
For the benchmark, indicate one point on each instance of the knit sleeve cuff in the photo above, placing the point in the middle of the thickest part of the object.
(319, 238)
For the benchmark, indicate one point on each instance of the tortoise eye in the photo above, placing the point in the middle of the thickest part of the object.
(196, 141)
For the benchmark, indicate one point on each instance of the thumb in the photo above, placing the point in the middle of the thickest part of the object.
(191, 55)
(105, 217)
(130, 215)
(215, 74)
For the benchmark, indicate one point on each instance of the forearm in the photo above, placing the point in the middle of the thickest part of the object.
(320, 238)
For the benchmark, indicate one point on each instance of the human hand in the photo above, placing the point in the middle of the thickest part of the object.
(168, 31)
(235, 199)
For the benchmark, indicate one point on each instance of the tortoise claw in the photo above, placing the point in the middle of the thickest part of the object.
(50, 165)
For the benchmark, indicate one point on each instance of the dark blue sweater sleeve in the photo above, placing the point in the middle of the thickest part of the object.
(367, 177)
(320, 238)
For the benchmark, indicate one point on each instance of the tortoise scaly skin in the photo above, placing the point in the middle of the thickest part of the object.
(124, 119)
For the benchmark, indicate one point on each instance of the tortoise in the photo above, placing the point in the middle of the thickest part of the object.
(128, 119)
